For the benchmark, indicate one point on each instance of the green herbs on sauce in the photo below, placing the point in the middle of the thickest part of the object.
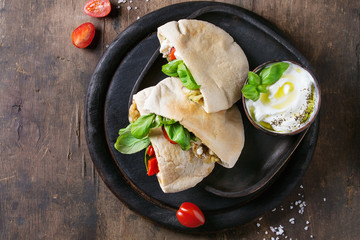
(257, 83)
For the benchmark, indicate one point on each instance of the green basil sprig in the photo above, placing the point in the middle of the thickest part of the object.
(179, 134)
(141, 127)
(171, 68)
(257, 83)
(177, 68)
(134, 137)
(128, 144)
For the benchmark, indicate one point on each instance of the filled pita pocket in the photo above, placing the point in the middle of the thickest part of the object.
(209, 63)
(186, 140)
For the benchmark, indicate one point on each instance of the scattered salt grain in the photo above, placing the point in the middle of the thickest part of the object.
(301, 186)
(311, 236)
(291, 207)
(138, 18)
(292, 220)
(306, 228)
(128, 8)
(118, 6)
(121, 1)
(107, 46)
(307, 222)
(258, 224)
(260, 218)
(324, 199)
(273, 210)
(136, 7)
(266, 232)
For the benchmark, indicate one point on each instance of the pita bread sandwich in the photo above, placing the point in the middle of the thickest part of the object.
(210, 64)
(184, 140)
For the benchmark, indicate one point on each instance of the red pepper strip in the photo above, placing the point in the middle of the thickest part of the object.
(150, 152)
(153, 167)
(172, 54)
(167, 137)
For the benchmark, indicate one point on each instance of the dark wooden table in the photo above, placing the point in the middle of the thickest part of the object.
(49, 188)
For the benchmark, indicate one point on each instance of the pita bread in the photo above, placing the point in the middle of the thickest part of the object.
(216, 62)
(222, 132)
(178, 169)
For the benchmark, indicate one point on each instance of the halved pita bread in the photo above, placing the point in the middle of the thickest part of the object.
(216, 62)
(178, 169)
(222, 132)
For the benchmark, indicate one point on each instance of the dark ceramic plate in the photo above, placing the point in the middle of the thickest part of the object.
(269, 167)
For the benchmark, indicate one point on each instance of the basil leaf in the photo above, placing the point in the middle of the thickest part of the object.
(253, 79)
(193, 137)
(147, 157)
(141, 127)
(250, 92)
(179, 134)
(171, 68)
(273, 73)
(262, 88)
(168, 121)
(186, 78)
(126, 143)
(158, 122)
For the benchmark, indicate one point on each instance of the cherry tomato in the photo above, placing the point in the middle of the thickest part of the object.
(153, 167)
(150, 151)
(190, 215)
(83, 35)
(167, 137)
(172, 54)
(97, 8)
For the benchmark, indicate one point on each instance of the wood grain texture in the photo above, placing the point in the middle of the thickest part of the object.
(49, 188)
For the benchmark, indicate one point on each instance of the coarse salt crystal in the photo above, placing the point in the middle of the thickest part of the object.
(301, 186)
(306, 228)
(258, 224)
(266, 232)
(324, 199)
(138, 18)
(128, 8)
(307, 222)
(273, 210)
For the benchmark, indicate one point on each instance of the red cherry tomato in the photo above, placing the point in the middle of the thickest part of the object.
(83, 35)
(190, 215)
(153, 167)
(97, 8)
(167, 137)
(150, 151)
(172, 54)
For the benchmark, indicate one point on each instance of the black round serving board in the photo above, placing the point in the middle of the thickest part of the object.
(231, 201)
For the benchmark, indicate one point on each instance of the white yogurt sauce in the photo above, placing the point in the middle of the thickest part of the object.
(287, 99)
